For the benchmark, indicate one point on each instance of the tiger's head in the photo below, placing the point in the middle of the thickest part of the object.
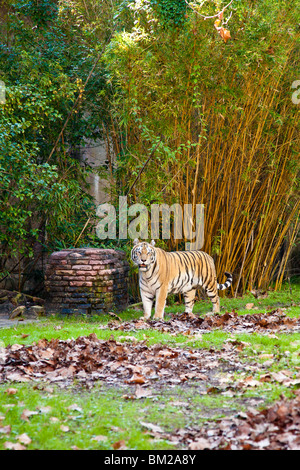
(143, 254)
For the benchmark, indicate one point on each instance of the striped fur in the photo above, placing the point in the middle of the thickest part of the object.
(163, 273)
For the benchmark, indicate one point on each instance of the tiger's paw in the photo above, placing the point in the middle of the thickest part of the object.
(146, 316)
(157, 317)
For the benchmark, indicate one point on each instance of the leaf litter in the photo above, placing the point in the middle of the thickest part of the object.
(189, 323)
(273, 428)
(145, 370)
(88, 359)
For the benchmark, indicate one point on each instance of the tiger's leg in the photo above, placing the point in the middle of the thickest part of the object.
(189, 300)
(147, 300)
(213, 295)
(161, 297)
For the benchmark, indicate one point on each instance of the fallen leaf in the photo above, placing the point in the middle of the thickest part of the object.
(3, 355)
(128, 338)
(24, 439)
(53, 419)
(45, 409)
(16, 347)
(17, 377)
(13, 446)
(100, 438)
(11, 391)
(136, 379)
(249, 306)
(119, 445)
(27, 414)
(74, 407)
(5, 429)
(116, 429)
(152, 427)
(47, 353)
(266, 356)
(200, 444)
(64, 428)
(141, 392)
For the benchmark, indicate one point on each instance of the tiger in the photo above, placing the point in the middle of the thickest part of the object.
(162, 273)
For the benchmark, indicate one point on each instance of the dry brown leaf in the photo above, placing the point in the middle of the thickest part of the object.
(141, 392)
(16, 347)
(45, 409)
(17, 377)
(11, 391)
(100, 438)
(13, 446)
(74, 407)
(64, 428)
(26, 414)
(47, 353)
(53, 419)
(200, 444)
(119, 445)
(249, 306)
(136, 379)
(24, 439)
(5, 429)
(152, 427)
(225, 34)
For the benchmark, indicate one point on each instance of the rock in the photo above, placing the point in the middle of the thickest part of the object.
(10, 300)
(3, 293)
(36, 310)
(17, 312)
(17, 299)
(38, 301)
(3, 299)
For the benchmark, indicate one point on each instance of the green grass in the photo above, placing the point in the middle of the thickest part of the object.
(105, 411)
(67, 418)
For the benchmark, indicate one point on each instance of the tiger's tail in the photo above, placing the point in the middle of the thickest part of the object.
(227, 283)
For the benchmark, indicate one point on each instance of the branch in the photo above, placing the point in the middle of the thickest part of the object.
(78, 99)
(144, 166)
(207, 17)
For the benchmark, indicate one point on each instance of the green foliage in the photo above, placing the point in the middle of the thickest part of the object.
(167, 75)
(40, 12)
(44, 58)
(195, 90)
(169, 12)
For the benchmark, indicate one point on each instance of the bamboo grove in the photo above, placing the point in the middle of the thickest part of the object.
(230, 132)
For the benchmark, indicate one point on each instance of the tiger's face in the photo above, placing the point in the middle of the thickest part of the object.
(143, 254)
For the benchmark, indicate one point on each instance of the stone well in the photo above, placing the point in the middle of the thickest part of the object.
(87, 280)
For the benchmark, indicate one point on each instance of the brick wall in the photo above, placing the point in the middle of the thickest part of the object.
(87, 280)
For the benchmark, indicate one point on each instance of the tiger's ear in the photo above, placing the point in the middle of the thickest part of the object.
(152, 242)
(135, 241)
